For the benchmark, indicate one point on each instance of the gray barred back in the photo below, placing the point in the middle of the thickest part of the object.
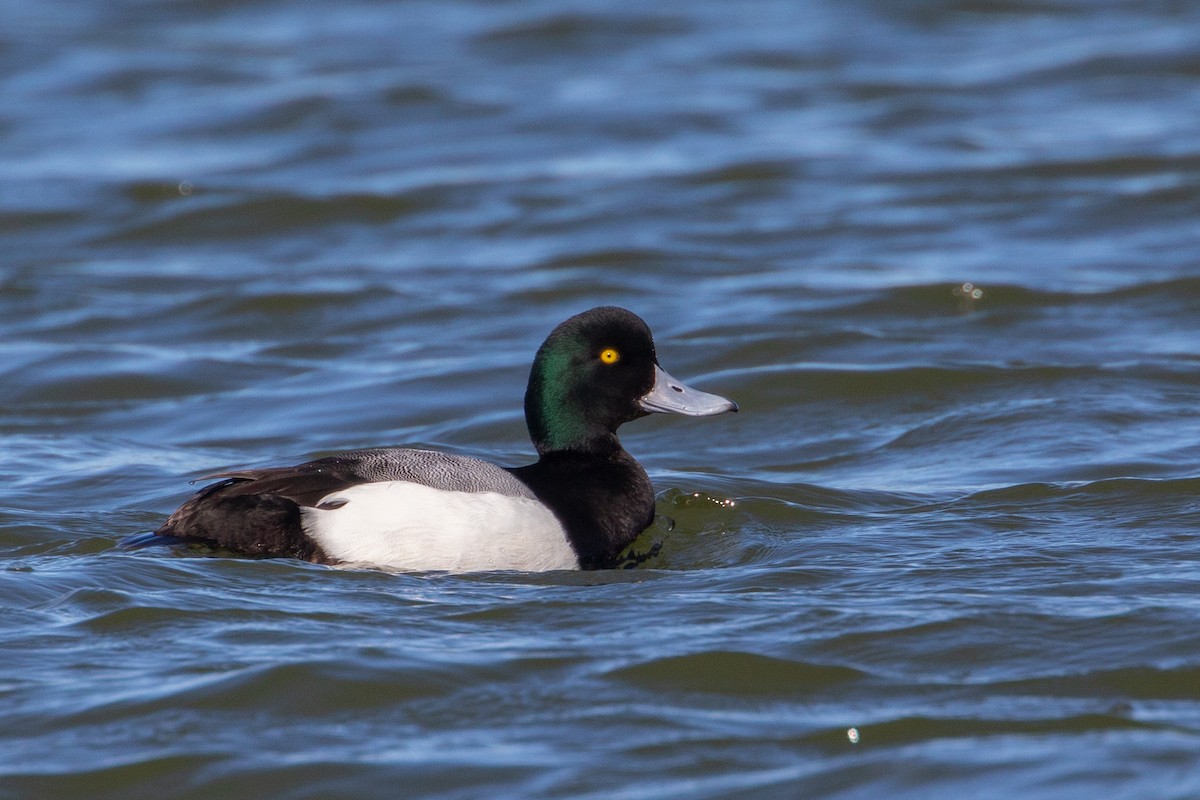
(428, 467)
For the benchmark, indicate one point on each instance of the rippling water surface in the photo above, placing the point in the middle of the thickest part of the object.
(950, 548)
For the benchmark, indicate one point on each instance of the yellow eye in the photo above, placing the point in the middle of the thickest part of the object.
(609, 356)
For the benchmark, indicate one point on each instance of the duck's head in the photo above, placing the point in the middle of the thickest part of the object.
(596, 371)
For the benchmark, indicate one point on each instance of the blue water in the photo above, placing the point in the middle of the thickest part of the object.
(950, 548)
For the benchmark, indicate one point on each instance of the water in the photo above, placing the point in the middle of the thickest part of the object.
(950, 548)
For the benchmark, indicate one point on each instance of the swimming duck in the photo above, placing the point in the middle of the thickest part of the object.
(578, 506)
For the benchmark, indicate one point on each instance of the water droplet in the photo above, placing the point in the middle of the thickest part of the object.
(968, 295)
(852, 735)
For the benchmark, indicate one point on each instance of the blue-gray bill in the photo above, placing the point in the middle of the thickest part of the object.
(672, 396)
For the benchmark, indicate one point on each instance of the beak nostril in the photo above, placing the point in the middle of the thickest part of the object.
(678, 389)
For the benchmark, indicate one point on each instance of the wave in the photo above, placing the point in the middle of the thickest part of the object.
(901, 731)
(577, 34)
(733, 673)
(215, 213)
(1133, 683)
(1118, 489)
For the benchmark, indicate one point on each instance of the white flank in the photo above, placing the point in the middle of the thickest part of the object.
(408, 526)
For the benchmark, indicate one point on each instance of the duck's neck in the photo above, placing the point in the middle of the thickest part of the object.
(567, 432)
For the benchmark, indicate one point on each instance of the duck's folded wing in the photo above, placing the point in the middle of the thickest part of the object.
(308, 483)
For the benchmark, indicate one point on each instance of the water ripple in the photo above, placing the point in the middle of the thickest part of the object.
(948, 548)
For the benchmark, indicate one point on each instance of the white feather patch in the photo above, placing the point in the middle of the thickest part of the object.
(408, 526)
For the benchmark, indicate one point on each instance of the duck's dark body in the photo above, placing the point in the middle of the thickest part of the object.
(235, 515)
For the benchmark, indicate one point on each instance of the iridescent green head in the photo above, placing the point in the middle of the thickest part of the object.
(597, 371)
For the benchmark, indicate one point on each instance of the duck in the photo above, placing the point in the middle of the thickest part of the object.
(579, 506)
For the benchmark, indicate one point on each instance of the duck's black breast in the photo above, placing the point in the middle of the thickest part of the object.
(603, 500)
